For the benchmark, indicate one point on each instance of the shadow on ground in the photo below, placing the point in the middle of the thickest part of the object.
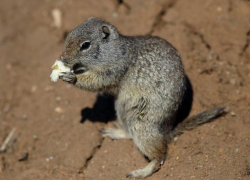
(102, 111)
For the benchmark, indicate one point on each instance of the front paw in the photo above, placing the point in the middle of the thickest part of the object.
(68, 77)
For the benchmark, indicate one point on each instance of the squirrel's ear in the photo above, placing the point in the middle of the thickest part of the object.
(105, 32)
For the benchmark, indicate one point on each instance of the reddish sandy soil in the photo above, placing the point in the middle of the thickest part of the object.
(213, 38)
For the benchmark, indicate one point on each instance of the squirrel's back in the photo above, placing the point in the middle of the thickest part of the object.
(156, 77)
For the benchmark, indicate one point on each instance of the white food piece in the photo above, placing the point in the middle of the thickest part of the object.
(58, 67)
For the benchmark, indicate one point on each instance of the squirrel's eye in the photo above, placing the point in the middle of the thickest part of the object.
(85, 46)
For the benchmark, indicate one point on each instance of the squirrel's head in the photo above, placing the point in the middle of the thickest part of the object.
(93, 45)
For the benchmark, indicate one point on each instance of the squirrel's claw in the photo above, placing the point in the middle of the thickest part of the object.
(68, 77)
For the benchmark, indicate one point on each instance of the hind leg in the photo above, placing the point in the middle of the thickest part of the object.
(153, 146)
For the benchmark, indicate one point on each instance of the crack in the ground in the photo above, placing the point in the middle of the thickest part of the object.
(246, 45)
(2, 164)
(196, 33)
(158, 22)
(230, 5)
(92, 154)
(202, 38)
(126, 5)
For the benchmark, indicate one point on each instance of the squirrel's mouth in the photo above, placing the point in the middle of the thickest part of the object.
(78, 68)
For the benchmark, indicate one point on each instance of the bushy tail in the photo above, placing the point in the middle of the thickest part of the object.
(196, 120)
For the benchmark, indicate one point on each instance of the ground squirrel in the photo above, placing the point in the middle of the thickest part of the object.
(144, 73)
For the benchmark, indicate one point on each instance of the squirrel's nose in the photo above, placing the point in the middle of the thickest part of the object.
(66, 61)
(63, 59)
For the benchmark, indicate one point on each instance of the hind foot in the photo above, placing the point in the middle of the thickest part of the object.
(115, 133)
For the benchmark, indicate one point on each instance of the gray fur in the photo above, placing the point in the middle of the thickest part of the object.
(146, 75)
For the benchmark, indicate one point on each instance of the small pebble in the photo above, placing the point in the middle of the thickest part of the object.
(58, 98)
(24, 116)
(24, 157)
(6, 108)
(58, 110)
(51, 157)
(175, 138)
(66, 102)
(232, 113)
(115, 15)
(221, 63)
(219, 133)
(219, 9)
(33, 88)
(233, 81)
(177, 158)
(236, 149)
(57, 18)
(48, 88)
(8, 66)
(35, 137)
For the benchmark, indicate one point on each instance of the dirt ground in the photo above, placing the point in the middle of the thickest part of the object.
(57, 126)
